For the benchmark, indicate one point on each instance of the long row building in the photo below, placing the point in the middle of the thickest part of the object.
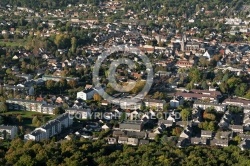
(50, 129)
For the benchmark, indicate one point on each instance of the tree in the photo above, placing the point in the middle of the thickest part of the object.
(35, 120)
(1, 120)
(20, 118)
(185, 113)
(50, 84)
(204, 85)
(3, 107)
(177, 131)
(241, 89)
(97, 97)
(72, 83)
(73, 44)
(58, 111)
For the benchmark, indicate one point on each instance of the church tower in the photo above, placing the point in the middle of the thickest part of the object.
(182, 44)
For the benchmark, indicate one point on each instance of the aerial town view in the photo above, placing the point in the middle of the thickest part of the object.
(124, 82)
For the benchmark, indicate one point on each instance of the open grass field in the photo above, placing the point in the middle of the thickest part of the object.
(27, 116)
(10, 43)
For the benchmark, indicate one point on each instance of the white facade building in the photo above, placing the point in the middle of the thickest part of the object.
(8, 132)
(50, 129)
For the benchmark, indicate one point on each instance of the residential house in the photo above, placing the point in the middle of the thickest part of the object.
(184, 64)
(246, 121)
(205, 105)
(176, 102)
(156, 104)
(223, 135)
(118, 133)
(105, 127)
(219, 142)
(123, 140)
(245, 144)
(143, 142)
(166, 123)
(236, 128)
(48, 109)
(24, 105)
(200, 95)
(133, 141)
(237, 102)
(59, 78)
(8, 132)
(129, 104)
(198, 141)
(139, 135)
(152, 136)
(186, 133)
(133, 125)
(86, 94)
(79, 113)
(112, 140)
(225, 120)
(206, 134)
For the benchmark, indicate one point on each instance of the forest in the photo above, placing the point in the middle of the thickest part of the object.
(77, 152)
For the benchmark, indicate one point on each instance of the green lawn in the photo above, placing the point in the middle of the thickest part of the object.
(27, 117)
(10, 43)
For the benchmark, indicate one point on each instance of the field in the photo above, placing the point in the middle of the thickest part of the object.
(26, 118)
(10, 43)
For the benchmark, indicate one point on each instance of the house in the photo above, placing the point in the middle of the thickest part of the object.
(225, 120)
(219, 142)
(8, 132)
(48, 109)
(206, 134)
(182, 142)
(166, 123)
(236, 128)
(244, 136)
(196, 116)
(59, 78)
(133, 141)
(184, 64)
(130, 104)
(143, 142)
(205, 105)
(186, 133)
(105, 127)
(112, 140)
(246, 121)
(223, 135)
(24, 105)
(139, 135)
(176, 102)
(123, 140)
(50, 129)
(245, 144)
(183, 123)
(118, 133)
(152, 136)
(133, 125)
(237, 102)
(200, 95)
(79, 113)
(156, 104)
(198, 141)
(86, 94)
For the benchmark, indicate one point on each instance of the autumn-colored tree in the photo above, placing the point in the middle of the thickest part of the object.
(72, 83)
(50, 84)
(177, 131)
(97, 97)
